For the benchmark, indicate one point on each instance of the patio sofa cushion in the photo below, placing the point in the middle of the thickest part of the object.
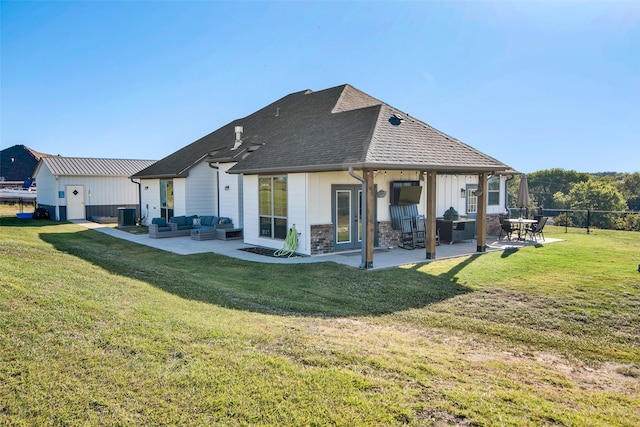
(161, 224)
(183, 222)
(183, 225)
(159, 228)
(208, 221)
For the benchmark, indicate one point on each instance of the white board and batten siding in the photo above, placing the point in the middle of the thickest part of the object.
(320, 194)
(179, 196)
(47, 189)
(309, 201)
(231, 191)
(201, 191)
(297, 208)
(297, 202)
(251, 229)
(97, 191)
(87, 187)
(150, 198)
(107, 190)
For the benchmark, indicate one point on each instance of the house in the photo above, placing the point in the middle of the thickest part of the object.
(87, 188)
(17, 165)
(330, 163)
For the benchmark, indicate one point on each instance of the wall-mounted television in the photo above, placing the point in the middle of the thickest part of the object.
(405, 192)
(410, 195)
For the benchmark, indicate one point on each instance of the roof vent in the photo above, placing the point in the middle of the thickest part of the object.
(238, 143)
(396, 119)
(254, 147)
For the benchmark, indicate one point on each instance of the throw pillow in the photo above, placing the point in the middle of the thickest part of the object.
(196, 222)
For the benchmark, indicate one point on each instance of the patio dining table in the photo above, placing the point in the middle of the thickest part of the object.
(521, 224)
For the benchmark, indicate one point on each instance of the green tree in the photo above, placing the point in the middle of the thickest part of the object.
(593, 195)
(629, 186)
(544, 184)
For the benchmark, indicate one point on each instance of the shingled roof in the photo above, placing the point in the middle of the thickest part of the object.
(82, 166)
(18, 163)
(327, 130)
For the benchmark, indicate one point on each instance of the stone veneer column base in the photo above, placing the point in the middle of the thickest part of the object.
(493, 225)
(387, 236)
(322, 239)
(322, 235)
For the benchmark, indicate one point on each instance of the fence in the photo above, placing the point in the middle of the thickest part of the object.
(19, 203)
(586, 218)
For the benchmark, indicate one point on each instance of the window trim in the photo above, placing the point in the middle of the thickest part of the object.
(273, 218)
(496, 191)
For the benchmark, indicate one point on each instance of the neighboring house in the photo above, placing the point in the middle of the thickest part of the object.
(17, 165)
(307, 159)
(86, 188)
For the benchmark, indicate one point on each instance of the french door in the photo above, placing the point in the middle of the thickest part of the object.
(472, 201)
(347, 217)
(166, 198)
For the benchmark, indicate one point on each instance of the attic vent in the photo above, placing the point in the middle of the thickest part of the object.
(238, 143)
(396, 119)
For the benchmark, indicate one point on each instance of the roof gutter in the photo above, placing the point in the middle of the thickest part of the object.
(372, 166)
(158, 176)
(185, 170)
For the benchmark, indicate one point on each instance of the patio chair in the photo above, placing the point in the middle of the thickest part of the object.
(506, 228)
(420, 232)
(408, 239)
(536, 229)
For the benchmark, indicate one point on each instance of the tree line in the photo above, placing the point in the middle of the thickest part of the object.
(612, 198)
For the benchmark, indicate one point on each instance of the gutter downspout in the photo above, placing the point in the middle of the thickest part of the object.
(139, 197)
(506, 195)
(363, 262)
(217, 168)
(57, 213)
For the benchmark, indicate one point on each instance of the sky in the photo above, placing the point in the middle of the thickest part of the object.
(537, 85)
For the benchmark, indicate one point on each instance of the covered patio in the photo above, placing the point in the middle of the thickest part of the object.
(385, 257)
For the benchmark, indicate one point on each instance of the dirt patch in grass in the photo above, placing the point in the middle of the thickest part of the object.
(608, 377)
(443, 418)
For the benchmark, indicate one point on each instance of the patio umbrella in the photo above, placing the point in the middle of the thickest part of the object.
(523, 193)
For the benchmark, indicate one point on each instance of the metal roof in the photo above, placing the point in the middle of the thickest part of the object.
(82, 166)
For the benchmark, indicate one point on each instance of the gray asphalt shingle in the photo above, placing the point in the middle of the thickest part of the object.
(330, 129)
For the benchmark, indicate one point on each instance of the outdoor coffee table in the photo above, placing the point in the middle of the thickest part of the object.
(204, 234)
(228, 233)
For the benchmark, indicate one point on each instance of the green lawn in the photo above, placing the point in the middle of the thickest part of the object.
(98, 331)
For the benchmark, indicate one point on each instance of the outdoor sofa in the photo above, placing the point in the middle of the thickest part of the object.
(199, 227)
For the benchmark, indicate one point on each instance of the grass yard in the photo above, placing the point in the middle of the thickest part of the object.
(99, 331)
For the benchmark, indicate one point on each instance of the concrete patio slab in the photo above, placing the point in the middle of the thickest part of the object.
(382, 258)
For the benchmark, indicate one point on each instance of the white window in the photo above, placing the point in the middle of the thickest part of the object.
(493, 195)
(273, 206)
